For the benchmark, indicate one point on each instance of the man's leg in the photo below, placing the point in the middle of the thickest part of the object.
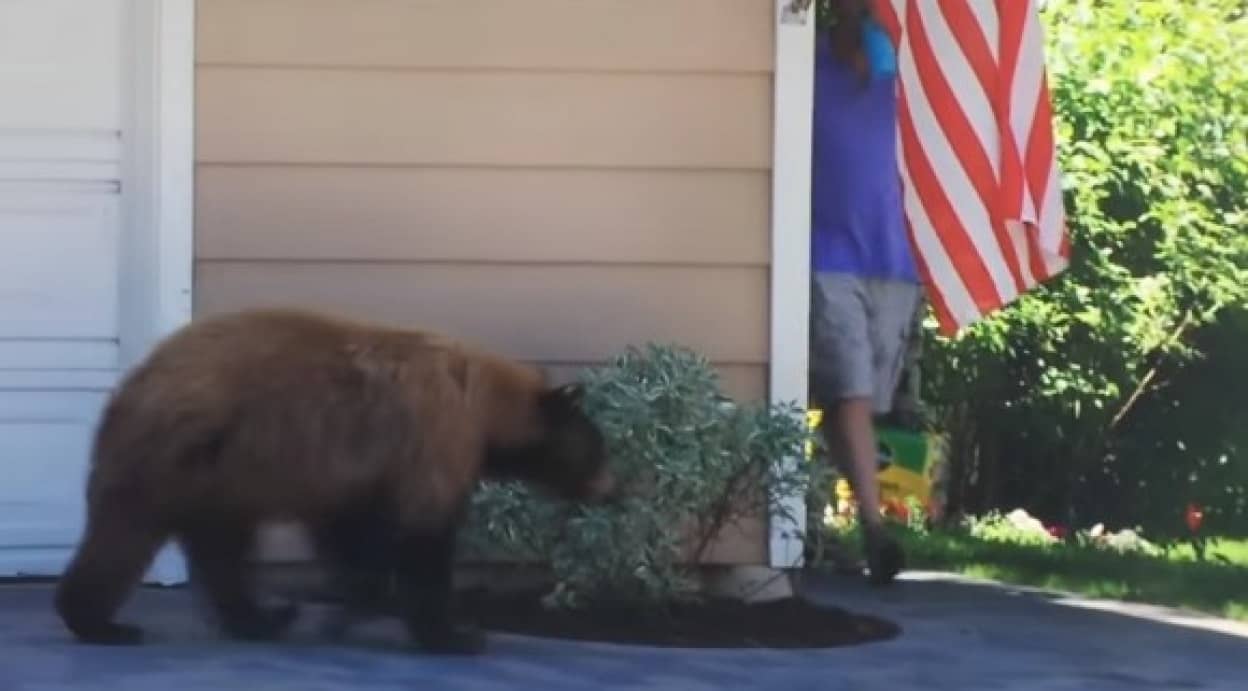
(842, 382)
(891, 316)
(859, 331)
(821, 546)
(854, 429)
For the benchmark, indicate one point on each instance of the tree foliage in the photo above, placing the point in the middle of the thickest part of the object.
(1114, 392)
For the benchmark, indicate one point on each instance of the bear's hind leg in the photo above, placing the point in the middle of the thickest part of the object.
(357, 548)
(425, 567)
(217, 556)
(115, 551)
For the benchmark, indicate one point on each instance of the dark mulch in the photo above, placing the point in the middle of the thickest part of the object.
(711, 623)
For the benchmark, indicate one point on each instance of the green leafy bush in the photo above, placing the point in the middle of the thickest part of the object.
(1068, 401)
(690, 462)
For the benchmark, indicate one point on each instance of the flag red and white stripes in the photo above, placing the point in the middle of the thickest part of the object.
(977, 156)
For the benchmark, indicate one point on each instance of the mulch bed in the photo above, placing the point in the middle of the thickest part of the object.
(712, 623)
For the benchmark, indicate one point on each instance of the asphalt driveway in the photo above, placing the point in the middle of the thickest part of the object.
(958, 635)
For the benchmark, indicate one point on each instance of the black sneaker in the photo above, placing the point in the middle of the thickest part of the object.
(885, 559)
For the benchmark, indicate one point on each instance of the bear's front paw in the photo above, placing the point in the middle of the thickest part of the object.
(340, 620)
(281, 617)
(113, 634)
(262, 624)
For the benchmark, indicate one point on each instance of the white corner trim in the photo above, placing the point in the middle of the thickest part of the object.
(790, 237)
(158, 172)
(158, 139)
(175, 163)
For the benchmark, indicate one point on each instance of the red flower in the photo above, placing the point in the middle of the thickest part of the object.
(1057, 531)
(1194, 517)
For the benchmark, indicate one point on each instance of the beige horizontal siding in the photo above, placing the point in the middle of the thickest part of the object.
(743, 382)
(569, 313)
(743, 542)
(490, 119)
(475, 214)
(643, 35)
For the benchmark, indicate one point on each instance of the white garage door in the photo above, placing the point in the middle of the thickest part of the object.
(63, 94)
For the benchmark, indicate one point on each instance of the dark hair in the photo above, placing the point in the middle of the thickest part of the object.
(845, 20)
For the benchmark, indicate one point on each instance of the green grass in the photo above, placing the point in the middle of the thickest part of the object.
(1216, 586)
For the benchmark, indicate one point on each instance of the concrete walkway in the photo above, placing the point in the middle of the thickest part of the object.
(958, 635)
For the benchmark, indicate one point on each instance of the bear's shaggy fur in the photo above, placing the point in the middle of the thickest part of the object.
(372, 437)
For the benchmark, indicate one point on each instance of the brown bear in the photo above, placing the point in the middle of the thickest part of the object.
(371, 436)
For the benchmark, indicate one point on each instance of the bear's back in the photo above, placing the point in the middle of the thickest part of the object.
(275, 399)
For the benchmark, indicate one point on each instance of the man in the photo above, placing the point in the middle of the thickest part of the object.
(865, 286)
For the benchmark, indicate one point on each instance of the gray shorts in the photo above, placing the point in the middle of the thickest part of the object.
(859, 330)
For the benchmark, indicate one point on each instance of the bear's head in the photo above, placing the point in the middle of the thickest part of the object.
(567, 457)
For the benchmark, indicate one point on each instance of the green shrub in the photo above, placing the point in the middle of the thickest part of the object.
(690, 462)
(1068, 401)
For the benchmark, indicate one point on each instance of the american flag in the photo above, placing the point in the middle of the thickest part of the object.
(983, 197)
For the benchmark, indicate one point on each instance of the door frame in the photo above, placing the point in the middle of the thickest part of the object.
(792, 122)
(158, 191)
